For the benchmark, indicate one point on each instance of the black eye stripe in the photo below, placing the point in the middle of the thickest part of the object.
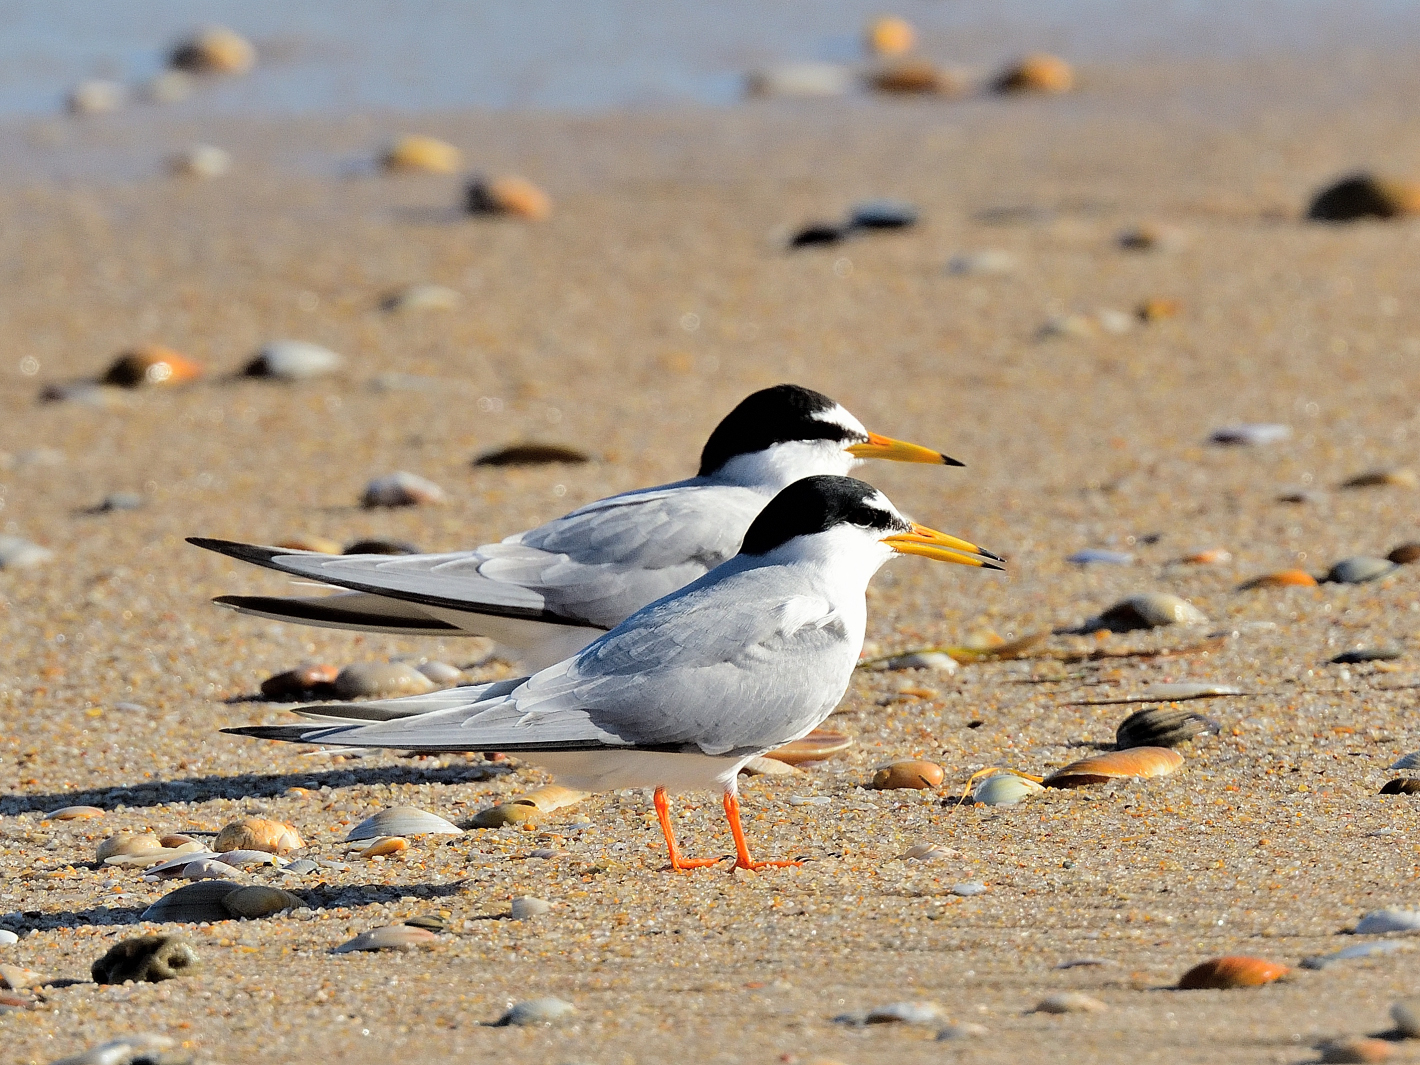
(813, 505)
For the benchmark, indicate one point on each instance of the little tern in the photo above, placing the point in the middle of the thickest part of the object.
(550, 591)
(682, 694)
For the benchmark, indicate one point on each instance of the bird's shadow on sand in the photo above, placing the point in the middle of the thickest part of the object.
(245, 786)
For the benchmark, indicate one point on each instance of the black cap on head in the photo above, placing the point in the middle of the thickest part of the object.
(816, 504)
(768, 417)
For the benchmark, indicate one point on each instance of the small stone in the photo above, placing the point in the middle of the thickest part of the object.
(1358, 570)
(883, 214)
(18, 553)
(1069, 1002)
(1250, 434)
(97, 97)
(1405, 554)
(807, 79)
(1365, 196)
(533, 454)
(1100, 556)
(526, 906)
(293, 360)
(419, 154)
(990, 263)
(150, 959)
(1355, 1049)
(1406, 1014)
(915, 76)
(1037, 73)
(258, 834)
(201, 161)
(890, 35)
(1384, 477)
(312, 681)
(382, 679)
(917, 774)
(1147, 611)
(1392, 919)
(537, 1011)
(390, 937)
(422, 298)
(260, 900)
(967, 888)
(507, 195)
(150, 365)
(214, 50)
(401, 489)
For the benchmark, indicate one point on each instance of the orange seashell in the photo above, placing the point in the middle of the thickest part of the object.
(1156, 309)
(915, 774)
(258, 834)
(1037, 73)
(151, 364)
(388, 845)
(508, 195)
(419, 154)
(215, 50)
(1234, 970)
(1101, 768)
(1208, 558)
(891, 35)
(914, 76)
(817, 745)
(1287, 578)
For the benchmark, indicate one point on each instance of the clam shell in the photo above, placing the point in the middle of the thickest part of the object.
(917, 774)
(1287, 578)
(1069, 1002)
(507, 813)
(1409, 761)
(527, 807)
(416, 153)
(926, 852)
(297, 683)
(526, 906)
(767, 767)
(390, 937)
(149, 859)
(73, 813)
(1100, 768)
(214, 50)
(386, 679)
(182, 857)
(402, 821)
(260, 900)
(1359, 569)
(1004, 789)
(293, 360)
(193, 903)
(208, 869)
(243, 859)
(127, 843)
(919, 1013)
(507, 195)
(1357, 950)
(122, 1050)
(1231, 971)
(816, 746)
(537, 1011)
(1148, 611)
(385, 845)
(1392, 919)
(1040, 73)
(258, 834)
(401, 489)
(1161, 726)
(1401, 786)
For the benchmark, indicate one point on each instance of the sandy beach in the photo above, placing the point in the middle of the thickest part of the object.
(656, 296)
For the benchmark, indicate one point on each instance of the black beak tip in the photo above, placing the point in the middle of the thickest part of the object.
(947, 460)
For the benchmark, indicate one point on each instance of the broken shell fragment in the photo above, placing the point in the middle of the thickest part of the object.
(152, 364)
(258, 834)
(816, 746)
(214, 50)
(259, 900)
(1004, 789)
(1231, 971)
(293, 360)
(402, 821)
(1401, 786)
(1148, 611)
(1365, 196)
(1358, 569)
(122, 844)
(507, 195)
(385, 846)
(1287, 578)
(401, 489)
(1037, 73)
(1114, 765)
(911, 775)
(419, 154)
(1161, 726)
(390, 937)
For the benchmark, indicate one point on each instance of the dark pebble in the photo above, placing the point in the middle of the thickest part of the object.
(1405, 554)
(532, 455)
(150, 959)
(1362, 196)
(1367, 654)
(817, 235)
(884, 214)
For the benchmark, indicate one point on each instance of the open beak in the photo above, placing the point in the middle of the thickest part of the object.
(885, 447)
(921, 540)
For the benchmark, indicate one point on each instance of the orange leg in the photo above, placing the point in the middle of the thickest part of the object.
(732, 814)
(663, 812)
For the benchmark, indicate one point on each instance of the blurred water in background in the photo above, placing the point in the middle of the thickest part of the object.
(342, 56)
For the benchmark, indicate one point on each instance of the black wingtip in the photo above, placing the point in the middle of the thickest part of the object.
(947, 460)
(254, 553)
(290, 733)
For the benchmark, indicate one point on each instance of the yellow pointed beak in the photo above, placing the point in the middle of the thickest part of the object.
(885, 447)
(933, 544)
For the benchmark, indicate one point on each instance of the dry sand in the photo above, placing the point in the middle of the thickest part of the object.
(1269, 841)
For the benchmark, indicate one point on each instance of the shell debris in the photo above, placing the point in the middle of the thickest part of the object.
(258, 834)
(1231, 971)
(508, 195)
(390, 937)
(416, 153)
(402, 821)
(912, 775)
(1115, 765)
(214, 50)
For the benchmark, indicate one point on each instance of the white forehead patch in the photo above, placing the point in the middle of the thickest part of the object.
(838, 415)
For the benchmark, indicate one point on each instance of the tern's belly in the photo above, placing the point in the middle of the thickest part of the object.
(609, 770)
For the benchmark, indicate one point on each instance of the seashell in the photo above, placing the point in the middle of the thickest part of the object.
(1069, 1002)
(1004, 789)
(300, 867)
(507, 195)
(1358, 569)
(1161, 727)
(73, 813)
(415, 153)
(1405, 554)
(1068, 326)
(246, 859)
(1250, 434)
(1287, 578)
(1409, 761)
(926, 852)
(260, 900)
(1116, 322)
(258, 834)
(441, 673)
(380, 679)
(526, 906)
(150, 959)
(1114, 765)
(168, 87)
(402, 821)
(116, 501)
(202, 868)
(936, 660)
(990, 263)
(921, 1013)
(1231, 971)
(158, 857)
(883, 214)
(1406, 1015)
(914, 77)
(890, 35)
(1357, 950)
(1367, 654)
(1384, 477)
(152, 364)
(384, 846)
(302, 682)
(1392, 919)
(967, 888)
(1356, 1049)
(214, 50)
(176, 839)
(767, 767)
(1365, 196)
(401, 489)
(1152, 236)
(816, 746)
(1156, 309)
(122, 844)
(201, 161)
(914, 774)
(508, 813)
(1401, 786)
(1100, 555)
(390, 937)
(817, 234)
(293, 360)
(962, 1030)
(532, 454)
(1190, 690)
(8, 938)
(174, 868)
(543, 1011)
(807, 79)
(380, 547)
(1212, 557)
(1037, 73)
(97, 97)
(18, 978)
(422, 298)
(1148, 611)
(17, 553)
(128, 1048)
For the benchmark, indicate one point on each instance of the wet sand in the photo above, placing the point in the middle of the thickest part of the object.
(1270, 839)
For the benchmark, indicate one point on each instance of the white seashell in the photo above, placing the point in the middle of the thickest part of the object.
(157, 857)
(201, 161)
(1148, 611)
(243, 859)
(171, 868)
(1410, 761)
(805, 79)
(403, 821)
(1116, 322)
(422, 298)
(1175, 692)
(526, 906)
(16, 553)
(923, 1013)
(120, 1051)
(1251, 434)
(1393, 919)
(1004, 789)
(927, 852)
(208, 869)
(193, 903)
(967, 888)
(401, 489)
(441, 672)
(380, 678)
(759, 766)
(127, 843)
(390, 937)
(7, 938)
(73, 813)
(537, 1011)
(1357, 950)
(1069, 1002)
(294, 360)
